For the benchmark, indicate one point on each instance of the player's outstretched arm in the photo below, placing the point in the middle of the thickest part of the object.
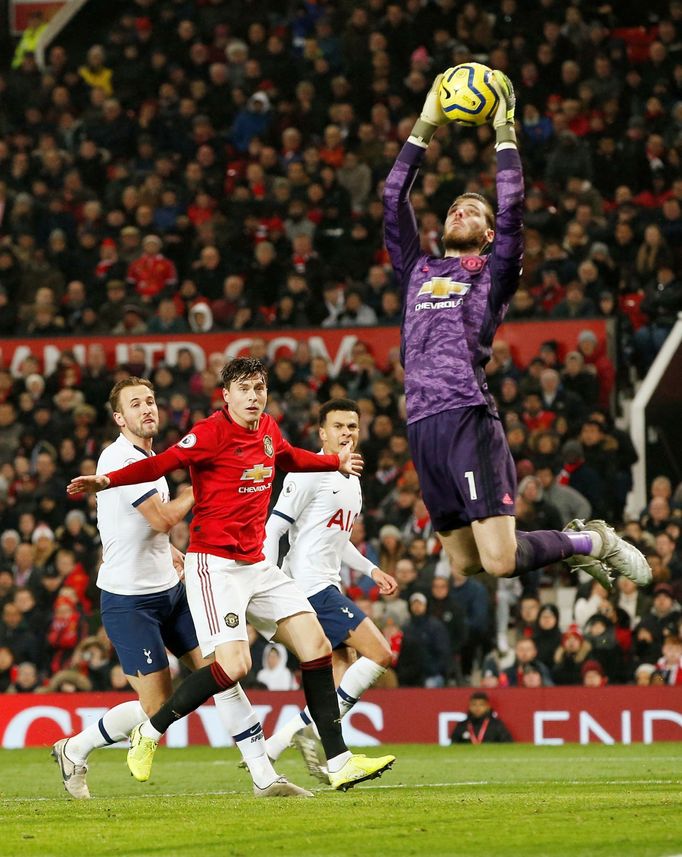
(506, 258)
(350, 463)
(87, 484)
(147, 470)
(400, 223)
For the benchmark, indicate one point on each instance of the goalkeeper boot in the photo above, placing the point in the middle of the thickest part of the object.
(141, 755)
(73, 775)
(621, 556)
(590, 564)
(358, 769)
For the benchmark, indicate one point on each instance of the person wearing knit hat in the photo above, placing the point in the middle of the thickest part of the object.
(573, 631)
(643, 674)
(570, 656)
(592, 674)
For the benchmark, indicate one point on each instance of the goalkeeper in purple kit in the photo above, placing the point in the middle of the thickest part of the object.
(452, 307)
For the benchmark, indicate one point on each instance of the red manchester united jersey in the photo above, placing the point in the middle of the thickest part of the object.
(232, 469)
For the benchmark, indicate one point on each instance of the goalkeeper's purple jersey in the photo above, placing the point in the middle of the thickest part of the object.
(451, 306)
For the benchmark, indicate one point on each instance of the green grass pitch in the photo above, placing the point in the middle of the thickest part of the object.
(485, 801)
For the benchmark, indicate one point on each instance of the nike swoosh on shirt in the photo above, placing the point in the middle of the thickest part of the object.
(337, 491)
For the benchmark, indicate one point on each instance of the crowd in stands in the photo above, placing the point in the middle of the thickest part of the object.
(218, 166)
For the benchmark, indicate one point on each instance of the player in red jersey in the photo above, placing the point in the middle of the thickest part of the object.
(231, 457)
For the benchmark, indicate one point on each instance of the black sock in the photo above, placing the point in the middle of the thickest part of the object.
(323, 705)
(190, 694)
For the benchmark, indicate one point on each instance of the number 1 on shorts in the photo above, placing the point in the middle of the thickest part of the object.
(469, 476)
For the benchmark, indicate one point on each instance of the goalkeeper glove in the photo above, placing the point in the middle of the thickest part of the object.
(503, 119)
(431, 117)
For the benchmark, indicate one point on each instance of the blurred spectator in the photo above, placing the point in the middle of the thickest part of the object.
(275, 675)
(600, 633)
(26, 680)
(473, 598)
(547, 637)
(529, 610)
(670, 663)
(152, 273)
(592, 674)
(482, 725)
(568, 502)
(570, 656)
(525, 654)
(7, 668)
(662, 302)
(425, 656)
(67, 681)
(662, 620)
(631, 599)
(444, 607)
(16, 635)
(577, 474)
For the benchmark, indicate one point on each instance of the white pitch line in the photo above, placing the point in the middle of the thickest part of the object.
(365, 787)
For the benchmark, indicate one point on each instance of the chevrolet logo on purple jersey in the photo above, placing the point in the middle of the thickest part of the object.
(443, 287)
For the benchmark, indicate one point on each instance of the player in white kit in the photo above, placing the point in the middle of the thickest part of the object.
(144, 606)
(317, 511)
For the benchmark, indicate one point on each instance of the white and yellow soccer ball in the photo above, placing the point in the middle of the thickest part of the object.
(466, 94)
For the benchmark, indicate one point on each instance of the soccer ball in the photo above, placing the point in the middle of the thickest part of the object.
(466, 94)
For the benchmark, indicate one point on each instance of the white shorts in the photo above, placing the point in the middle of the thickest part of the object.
(220, 591)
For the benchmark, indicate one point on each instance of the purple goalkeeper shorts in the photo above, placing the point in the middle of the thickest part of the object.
(465, 468)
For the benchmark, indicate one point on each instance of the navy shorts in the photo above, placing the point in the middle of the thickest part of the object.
(142, 627)
(338, 615)
(466, 470)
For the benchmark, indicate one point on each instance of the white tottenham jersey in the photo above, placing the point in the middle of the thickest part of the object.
(136, 558)
(321, 508)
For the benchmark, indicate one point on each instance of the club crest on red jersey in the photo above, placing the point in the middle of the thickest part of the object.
(267, 446)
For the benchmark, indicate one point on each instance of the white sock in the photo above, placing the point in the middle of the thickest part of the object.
(357, 678)
(277, 743)
(149, 732)
(114, 726)
(241, 721)
(597, 543)
(335, 764)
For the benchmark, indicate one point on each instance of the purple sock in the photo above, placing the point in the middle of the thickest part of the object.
(543, 547)
(582, 543)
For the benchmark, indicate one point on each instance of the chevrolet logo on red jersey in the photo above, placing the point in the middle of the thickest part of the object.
(443, 287)
(257, 473)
